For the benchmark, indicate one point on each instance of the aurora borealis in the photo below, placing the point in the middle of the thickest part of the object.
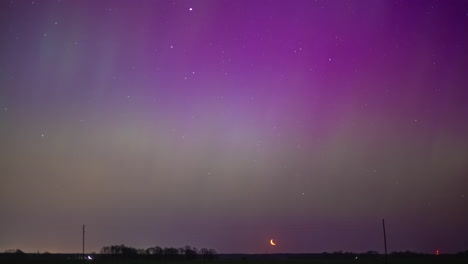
(225, 124)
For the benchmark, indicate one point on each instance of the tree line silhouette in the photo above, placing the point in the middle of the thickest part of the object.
(167, 252)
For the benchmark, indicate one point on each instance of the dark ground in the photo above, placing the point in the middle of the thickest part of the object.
(236, 259)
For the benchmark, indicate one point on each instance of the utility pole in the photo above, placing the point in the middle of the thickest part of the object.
(385, 239)
(83, 242)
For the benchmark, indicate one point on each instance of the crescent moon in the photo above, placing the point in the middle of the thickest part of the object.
(272, 242)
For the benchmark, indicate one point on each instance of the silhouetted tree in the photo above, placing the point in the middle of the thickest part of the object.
(181, 251)
(154, 251)
(105, 250)
(190, 253)
(208, 253)
(14, 251)
(129, 251)
(119, 249)
(170, 251)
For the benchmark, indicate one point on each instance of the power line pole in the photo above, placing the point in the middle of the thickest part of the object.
(385, 239)
(83, 242)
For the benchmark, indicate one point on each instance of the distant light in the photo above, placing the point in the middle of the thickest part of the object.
(90, 258)
(190, 9)
(437, 252)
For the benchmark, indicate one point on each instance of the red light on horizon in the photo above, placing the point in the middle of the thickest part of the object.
(437, 252)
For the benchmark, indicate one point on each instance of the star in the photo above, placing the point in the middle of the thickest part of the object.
(190, 9)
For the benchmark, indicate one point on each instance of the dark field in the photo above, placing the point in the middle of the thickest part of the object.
(237, 259)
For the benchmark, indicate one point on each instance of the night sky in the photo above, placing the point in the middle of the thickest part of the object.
(224, 124)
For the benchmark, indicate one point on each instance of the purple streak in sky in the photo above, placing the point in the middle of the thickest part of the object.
(224, 124)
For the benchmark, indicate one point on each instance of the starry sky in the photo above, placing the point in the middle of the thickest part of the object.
(225, 123)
